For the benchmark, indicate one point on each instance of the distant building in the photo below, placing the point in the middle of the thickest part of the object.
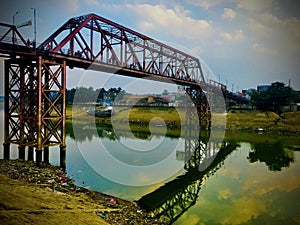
(181, 89)
(263, 87)
(169, 97)
(247, 93)
(278, 84)
(129, 99)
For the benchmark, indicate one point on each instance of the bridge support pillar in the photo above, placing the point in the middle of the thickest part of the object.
(21, 152)
(63, 157)
(38, 157)
(197, 108)
(6, 150)
(46, 155)
(35, 105)
(30, 155)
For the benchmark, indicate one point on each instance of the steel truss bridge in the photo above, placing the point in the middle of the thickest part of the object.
(35, 76)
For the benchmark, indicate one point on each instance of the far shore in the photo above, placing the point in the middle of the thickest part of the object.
(234, 120)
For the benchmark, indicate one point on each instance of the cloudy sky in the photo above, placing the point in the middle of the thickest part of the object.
(244, 42)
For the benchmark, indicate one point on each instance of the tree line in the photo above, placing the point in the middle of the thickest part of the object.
(274, 98)
(84, 94)
(271, 99)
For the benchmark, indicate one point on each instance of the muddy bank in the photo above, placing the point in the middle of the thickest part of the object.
(45, 195)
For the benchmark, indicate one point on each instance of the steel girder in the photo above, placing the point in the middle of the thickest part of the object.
(35, 100)
(96, 39)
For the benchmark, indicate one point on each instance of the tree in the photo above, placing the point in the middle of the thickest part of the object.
(121, 95)
(83, 94)
(101, 92)
(70, 96)
(272, 99)
(274, 155)
(165, 92)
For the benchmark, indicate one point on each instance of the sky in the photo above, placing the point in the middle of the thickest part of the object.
(244, 43)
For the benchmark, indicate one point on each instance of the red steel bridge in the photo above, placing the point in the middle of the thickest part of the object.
(35, 76)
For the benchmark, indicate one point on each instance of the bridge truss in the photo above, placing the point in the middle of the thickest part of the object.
(91, 38)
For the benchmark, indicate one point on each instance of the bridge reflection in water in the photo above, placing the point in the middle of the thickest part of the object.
(203, 155)
(173, 199)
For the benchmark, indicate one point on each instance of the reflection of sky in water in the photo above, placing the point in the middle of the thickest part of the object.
(127, 150)
(117, 163)
(243, 193)
(85, 175)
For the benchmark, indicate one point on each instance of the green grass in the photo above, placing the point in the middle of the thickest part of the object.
(171, 117)
(250, 120)
(255, 120)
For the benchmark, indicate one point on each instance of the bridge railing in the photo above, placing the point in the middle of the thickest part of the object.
(11, 37)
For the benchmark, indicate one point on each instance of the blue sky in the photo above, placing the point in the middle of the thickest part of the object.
(245, 43)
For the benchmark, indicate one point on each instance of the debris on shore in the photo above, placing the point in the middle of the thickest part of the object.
(53, 179)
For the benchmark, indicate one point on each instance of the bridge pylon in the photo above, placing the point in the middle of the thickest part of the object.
(198, 111)
(35, 106)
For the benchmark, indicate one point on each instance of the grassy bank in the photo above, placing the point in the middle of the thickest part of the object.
(288, 122)
(235, 119)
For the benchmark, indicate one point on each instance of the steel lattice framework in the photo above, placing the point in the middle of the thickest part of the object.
(35, 103)
(12, 43)
(95, 39)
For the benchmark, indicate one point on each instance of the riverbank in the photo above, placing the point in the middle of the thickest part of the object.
(45, 195)
(235, 120)
(241, 120)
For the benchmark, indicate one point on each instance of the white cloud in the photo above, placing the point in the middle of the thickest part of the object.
(281, 34)
(237, 36)
(290, 25)
(256, 27)
(206, 4)
(174, 22)
(72, 5)
(229, 14)
(255, 5)
(93, 2)
(263, 50)
(163, 22)
(260, 29)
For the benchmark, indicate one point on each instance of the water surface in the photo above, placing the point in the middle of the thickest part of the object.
(245, 178)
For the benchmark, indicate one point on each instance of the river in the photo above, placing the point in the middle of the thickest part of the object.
(243, 178)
